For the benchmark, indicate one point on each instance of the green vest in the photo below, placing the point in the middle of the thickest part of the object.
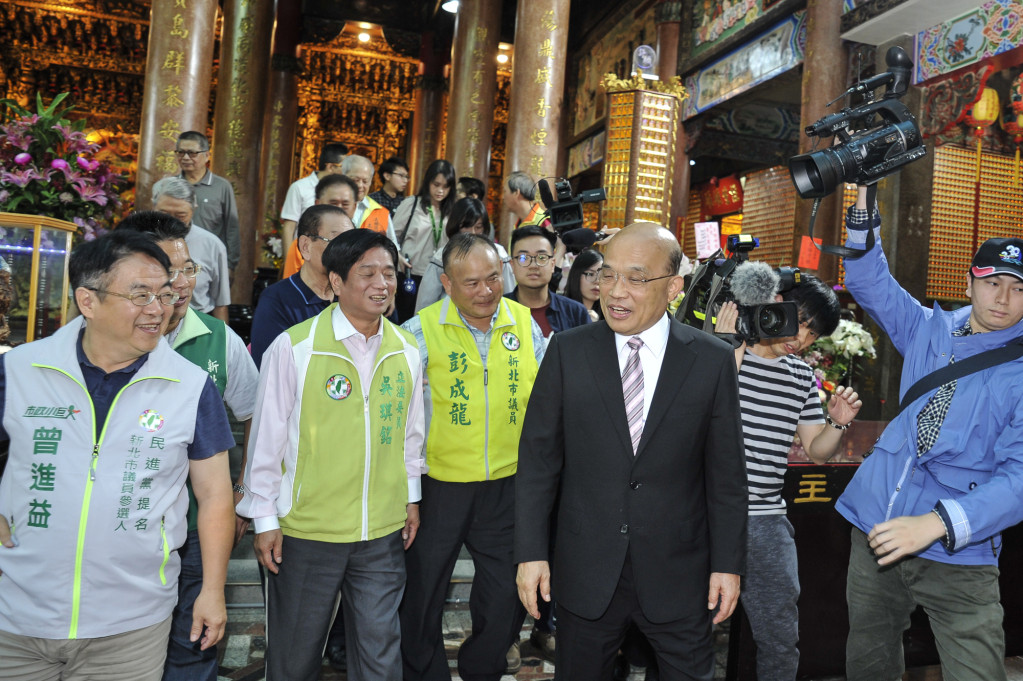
(350, 482)
(202, 340)
(477, 408)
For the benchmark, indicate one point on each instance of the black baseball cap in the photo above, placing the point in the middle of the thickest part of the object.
(998, 256)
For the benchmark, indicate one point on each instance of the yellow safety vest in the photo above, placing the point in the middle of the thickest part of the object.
(477, 408)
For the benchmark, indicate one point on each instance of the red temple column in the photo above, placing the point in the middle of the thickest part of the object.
(280, 120)
(537, 93)
(473, 87)
(668, 17)
(238, 121)
(428, 117)
(824, 76)
(179, 62)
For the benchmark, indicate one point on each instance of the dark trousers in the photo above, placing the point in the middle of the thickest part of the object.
(480, 515)
(586, 648)
(302, 597)
(961, 601)
(185, 660)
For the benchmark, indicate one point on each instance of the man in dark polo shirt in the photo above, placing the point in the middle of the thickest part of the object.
(305, 293)
(532, 252)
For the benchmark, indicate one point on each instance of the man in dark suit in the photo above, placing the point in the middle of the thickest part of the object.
(637, 420)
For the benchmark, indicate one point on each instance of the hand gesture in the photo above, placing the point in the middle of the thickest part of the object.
(532, 575)
(408, 533)
(268, 549)
(844, 405)
(904, 536)
(727, 318)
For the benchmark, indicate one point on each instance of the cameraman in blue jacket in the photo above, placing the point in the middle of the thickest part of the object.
(946, 476)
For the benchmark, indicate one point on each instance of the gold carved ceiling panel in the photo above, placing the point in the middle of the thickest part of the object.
(362, 97)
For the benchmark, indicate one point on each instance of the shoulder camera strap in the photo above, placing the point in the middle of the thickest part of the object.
(845, 251)
(970, 365)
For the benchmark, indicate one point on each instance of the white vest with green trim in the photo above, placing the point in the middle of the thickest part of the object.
(477, 408)
(344, 477)
(98, 509)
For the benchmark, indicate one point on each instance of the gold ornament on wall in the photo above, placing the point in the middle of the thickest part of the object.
(672, 86)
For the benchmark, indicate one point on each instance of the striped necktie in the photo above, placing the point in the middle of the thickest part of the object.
(632, 387)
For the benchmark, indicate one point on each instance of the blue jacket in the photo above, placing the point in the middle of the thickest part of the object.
(973, 475)
(564, 313)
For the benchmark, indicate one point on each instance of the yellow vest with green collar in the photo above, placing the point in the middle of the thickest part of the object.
(477, 409)
(349, 482)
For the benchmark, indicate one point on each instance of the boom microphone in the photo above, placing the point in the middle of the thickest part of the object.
(754, 283)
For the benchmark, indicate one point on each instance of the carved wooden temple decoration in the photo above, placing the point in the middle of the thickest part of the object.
(353, 94)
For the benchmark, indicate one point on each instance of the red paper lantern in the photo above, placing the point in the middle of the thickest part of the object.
(984, 112)
(1012, 123)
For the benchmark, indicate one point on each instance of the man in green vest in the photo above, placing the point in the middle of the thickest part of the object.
(333, 475)
(485, 350)
(212, 346)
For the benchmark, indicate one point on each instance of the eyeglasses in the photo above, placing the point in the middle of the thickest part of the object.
(526, 259)
(143, 298)
(608, 277)
(321, 238)
(591, 275)
(189, 271)
(403, 176)
(190, 153)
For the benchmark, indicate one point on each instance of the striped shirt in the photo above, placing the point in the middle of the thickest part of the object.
(775, 396)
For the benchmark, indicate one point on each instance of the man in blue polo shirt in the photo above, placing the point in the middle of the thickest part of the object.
(305, 293)
(106, 422)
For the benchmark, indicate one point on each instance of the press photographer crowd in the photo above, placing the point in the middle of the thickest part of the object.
(604, 427)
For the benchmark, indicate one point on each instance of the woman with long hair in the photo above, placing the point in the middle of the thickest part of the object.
(419, 225)
(468, 215)
(583, 284)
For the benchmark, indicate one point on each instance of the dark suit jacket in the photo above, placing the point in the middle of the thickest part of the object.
(678, 507)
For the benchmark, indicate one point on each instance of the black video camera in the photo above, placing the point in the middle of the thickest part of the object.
(876, 138)
(752, 285)
(566, 211)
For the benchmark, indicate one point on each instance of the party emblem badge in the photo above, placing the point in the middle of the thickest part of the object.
(510, 340)
(150, 421)
(338, 387)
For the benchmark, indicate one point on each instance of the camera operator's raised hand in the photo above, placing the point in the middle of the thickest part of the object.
(726, 323)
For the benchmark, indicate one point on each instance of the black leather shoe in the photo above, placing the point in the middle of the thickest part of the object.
(337, 658)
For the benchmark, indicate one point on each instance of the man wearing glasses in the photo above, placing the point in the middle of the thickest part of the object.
(532, 250)
(305, 293)
(394, 174)
(635, 420)
(211, 345)
(211, 292)
(105, 424)
(216, 211)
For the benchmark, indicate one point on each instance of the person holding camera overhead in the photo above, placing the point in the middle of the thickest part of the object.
(419, 226)
(943, 481)
(778, 397)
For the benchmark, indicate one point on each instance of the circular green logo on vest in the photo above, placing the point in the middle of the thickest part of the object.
(338, 387)
(510, 340)
(150, 421)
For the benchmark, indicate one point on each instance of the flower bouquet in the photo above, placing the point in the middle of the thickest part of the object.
(47, 168)
(832, 358)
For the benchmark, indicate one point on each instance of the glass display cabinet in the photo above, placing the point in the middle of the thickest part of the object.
(34, 254)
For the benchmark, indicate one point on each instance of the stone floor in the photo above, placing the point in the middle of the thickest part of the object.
(241, 651)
